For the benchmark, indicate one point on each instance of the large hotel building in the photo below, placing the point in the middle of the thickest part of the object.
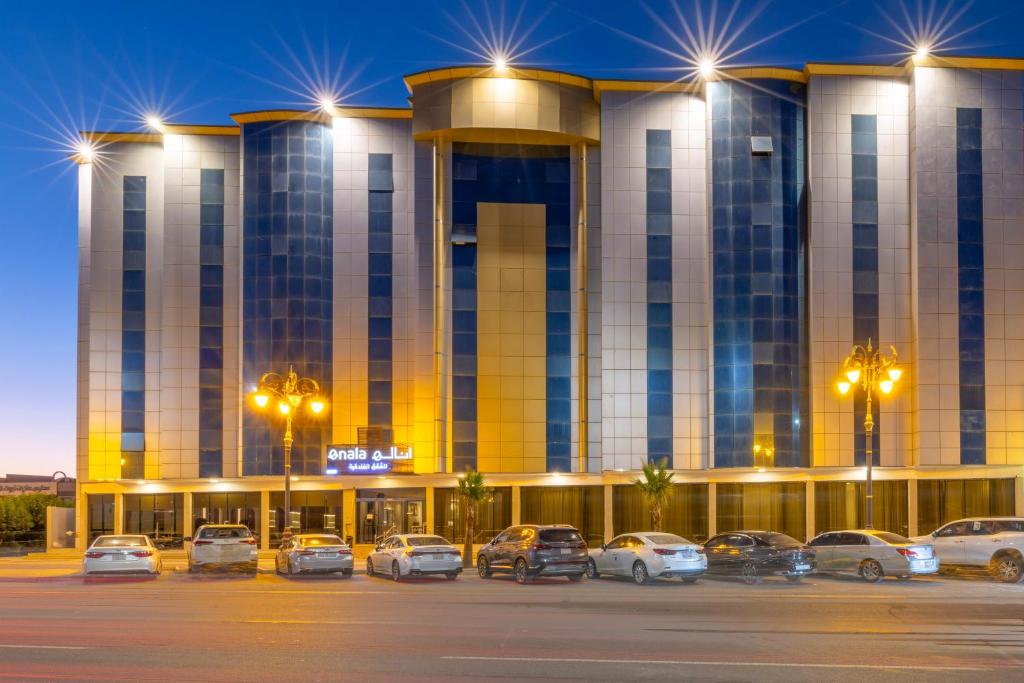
(553, 279)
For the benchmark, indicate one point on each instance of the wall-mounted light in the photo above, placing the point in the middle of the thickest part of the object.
(707, 68)
(155, 123)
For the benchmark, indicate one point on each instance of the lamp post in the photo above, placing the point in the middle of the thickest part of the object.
(289, 391)
(874, 372)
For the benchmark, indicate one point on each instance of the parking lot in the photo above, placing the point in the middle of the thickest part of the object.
(270, 628)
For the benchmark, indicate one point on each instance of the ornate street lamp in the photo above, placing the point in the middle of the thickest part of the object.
(874, 372)
(288, 393)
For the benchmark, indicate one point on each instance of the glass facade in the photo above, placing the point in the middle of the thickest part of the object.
(759, 242)
(312, 512)
(685, 514)
(133, 328)
(211, 322)
(492, 516)
(158, 515)
(511, 174)
(100, 514)
(945, 500)
(864, 147)
(970, 233)
(380, 291)
(226, 508)
(839, 505)
(771, 506)
(383, 512)
(287, 279)
(659, 297)
(580, 506)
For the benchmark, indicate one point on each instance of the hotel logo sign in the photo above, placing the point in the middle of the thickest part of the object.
(349, 459)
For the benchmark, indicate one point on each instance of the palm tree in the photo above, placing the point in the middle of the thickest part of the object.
(656, 486)
(472, 491)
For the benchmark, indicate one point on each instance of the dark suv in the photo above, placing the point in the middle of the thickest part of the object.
(531, 550)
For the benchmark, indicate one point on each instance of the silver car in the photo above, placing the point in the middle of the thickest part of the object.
(873, 554)
(414, 555)
(224, 546)
(314, 554)
(122, 554)
(647, 555)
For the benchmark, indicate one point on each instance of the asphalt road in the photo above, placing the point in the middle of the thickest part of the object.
(222, 628)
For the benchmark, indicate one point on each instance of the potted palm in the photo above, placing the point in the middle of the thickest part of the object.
(656, 485)
(473, 491)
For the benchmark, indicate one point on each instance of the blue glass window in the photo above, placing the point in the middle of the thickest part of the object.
(133, 327)
(211, 321)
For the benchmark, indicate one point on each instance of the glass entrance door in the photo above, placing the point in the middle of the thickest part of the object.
(383, 512)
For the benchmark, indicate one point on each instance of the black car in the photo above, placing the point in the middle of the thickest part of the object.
(753, 554)
(531, 550)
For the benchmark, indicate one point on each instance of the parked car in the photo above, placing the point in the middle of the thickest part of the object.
(753, 554)
(647, 555)
(993, 543)
(314, 554)
(222, 546)
(533, 550)
(872, 554)
(405, 555)
(122, 555)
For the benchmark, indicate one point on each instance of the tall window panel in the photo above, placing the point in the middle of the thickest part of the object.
(970, 231)
(659, 296)
(864, 145)
(133, 329)
(380, 284)
(211, 322)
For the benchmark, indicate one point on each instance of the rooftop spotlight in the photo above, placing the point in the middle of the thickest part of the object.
(500, 63)
(326, 102)
(707, 68)
(155, 123)
(85, 151)
(922, 53)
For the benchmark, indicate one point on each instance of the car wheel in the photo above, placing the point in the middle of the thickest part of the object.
(291, 569)
(871, 571)
(749, 573)
(192, 569)
(369, 567)
(689, 579)
(451, 576)
(520, 572)
(592, 572)
(576, 578)
(483, 567)
(396, 571)
(794, 578)
(641, 576)
(1007, 568)
(346, 573)
(254, 568)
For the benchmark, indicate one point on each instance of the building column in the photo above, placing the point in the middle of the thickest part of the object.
(348, 514)
(440, 235)
(912, 508)
(516, 510)
(428, 511)
(809, 511)
(81, 519)
(186, 513)
(1018, 495)
(264, 520)
(582, 368)
(712, 509)
(609, 513)
(118, 513)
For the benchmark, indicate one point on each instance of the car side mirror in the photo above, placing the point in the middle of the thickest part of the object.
(376, 548)
(604, 546)
(283, 546)
(187, 539)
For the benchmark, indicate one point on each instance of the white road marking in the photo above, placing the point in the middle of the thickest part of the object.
(311, 621)
(683, 662)
(43, 647)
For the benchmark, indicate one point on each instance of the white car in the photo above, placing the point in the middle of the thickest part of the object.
(872, 554)
(122, 554)
(646, 555)
(407, 555)
(228, 546)
(993, 543)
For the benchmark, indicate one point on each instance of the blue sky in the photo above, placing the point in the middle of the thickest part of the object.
(102, 65)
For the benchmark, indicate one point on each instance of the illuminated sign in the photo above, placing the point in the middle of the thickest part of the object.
(348, 459)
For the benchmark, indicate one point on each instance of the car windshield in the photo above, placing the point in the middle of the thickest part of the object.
(895, 539)
(313, 541)
(119, 541)
(560, 536)
(776, 540)
(225, 532)
(666, 539)
(426, 540)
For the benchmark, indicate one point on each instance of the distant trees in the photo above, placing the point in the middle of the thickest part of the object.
(25, 514)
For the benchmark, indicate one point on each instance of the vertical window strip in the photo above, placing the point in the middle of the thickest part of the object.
(558, 315)
(971, 284)
(464, 313)
(659, 296)
(211, 322)
(133, 328)
(380, 338)
(864, 163)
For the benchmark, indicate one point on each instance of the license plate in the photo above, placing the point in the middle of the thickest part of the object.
(120, 556)
(326, 555)
(802, 567)
(566, 551)
(437, 556)
(925, 564)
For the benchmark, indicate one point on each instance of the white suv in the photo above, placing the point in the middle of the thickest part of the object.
(996, 543)
(222, 546)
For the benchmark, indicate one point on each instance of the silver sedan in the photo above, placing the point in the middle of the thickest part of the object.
(314, 554)
(122, 555)
(873, 554)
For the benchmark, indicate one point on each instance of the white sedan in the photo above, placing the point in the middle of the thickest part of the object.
(407, 555)
(646, 555)
(122, 555)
